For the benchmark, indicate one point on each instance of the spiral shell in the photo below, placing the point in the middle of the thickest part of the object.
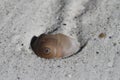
(54, 46)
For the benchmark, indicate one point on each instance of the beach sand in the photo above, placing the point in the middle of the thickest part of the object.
(95, 21)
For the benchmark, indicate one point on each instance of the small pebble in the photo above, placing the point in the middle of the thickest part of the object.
(102, 35)
(97, 52)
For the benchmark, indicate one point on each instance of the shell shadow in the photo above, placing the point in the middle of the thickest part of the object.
(34, 38)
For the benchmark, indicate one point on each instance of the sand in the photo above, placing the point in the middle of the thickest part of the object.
(84, 20)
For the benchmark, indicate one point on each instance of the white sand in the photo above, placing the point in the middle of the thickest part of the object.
(20, 20)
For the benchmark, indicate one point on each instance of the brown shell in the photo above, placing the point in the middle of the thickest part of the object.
(54, 46)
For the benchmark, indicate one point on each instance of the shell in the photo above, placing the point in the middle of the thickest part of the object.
(54, 46)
